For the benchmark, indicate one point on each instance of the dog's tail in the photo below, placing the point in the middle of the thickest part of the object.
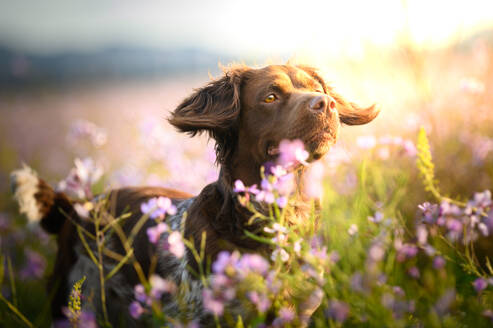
(40, 202)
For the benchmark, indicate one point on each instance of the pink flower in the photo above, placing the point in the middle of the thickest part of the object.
(175, 244)
(278, 171)
(225, 260)
(158, 207)
(313, 180)
(282, 201)
(211, 304)
(140, 293)
(438, 262)
(338, 311)
(260, 300)
(239, 186)
(414, 272)
(159, 286)
(153, 233)
(81, 178)
(292, 153)
(252, 263)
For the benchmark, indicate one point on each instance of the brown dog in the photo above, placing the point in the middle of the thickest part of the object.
(247, 112)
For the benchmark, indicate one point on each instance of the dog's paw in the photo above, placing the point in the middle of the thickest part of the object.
(25, 184)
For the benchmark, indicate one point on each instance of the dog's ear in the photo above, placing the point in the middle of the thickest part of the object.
(351, 113)
(214, 109)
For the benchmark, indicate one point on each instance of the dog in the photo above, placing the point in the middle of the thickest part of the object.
(247, 112)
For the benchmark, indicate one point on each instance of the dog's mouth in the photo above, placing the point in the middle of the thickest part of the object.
(273, 150)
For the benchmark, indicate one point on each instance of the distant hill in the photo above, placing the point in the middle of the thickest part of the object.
(115, 63)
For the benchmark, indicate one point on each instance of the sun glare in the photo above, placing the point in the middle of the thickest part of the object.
(335, 27)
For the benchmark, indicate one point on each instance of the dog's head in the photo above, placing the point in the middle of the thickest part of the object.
(249, 111)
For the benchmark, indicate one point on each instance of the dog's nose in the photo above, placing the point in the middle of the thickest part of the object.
(320, 103)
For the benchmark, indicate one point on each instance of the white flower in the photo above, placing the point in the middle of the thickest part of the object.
(280, 252)
(353, 229)
(297, 246)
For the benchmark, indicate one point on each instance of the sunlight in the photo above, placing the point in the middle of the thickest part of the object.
(333, 28)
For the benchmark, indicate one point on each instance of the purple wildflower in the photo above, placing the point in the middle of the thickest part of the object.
(278, 171)
(219, 281)
(284, 185)
(430, 212)
(34, 267)
(479, 285)
(135, 309)
(158, 207)
(376, 252)
(292, 152)
(174, 244)
(406, 251)
(211, 304)
(398, 291)
(334, 256)
(338, 311)
(261, 301)
(454, 225)
(239, 186)
(88, 319)
(252, 263)
(153, 233)
(224, 261)
(265, 196)
(140, 293)
(282, 201)
(285, 316)
(159, 286)
(272, 283)
(377, 218)
(414, 272)
(438, 262)
(446, 300)
(410, 148)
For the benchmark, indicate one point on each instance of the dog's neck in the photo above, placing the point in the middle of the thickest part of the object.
(218, 212)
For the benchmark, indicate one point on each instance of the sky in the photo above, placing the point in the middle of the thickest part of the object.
(234, 26)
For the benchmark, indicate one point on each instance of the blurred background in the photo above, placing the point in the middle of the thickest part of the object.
(97, 79)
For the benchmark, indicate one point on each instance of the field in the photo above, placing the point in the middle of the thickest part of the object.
(381, 257)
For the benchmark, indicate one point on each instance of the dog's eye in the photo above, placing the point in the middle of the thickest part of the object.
(270, 98)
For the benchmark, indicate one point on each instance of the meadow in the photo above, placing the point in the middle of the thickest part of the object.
(406, 216)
